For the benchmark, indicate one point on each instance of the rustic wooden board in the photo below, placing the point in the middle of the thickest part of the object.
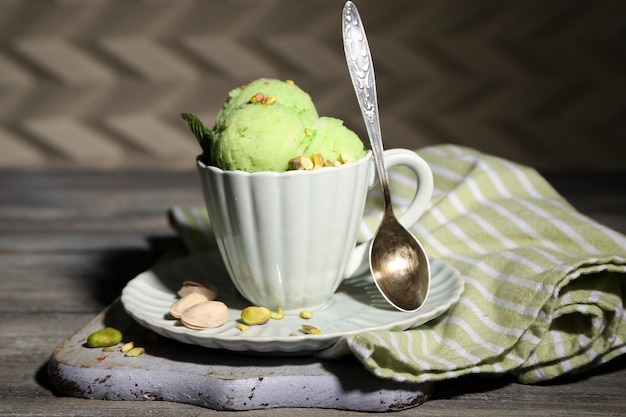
(173, 371)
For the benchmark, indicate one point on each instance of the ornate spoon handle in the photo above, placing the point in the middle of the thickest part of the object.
(361, 69)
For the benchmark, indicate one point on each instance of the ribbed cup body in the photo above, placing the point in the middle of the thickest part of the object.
(285, 238)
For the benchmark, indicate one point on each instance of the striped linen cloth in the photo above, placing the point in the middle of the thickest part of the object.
(543, 283)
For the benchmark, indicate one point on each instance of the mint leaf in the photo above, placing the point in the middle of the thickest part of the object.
(200, 131)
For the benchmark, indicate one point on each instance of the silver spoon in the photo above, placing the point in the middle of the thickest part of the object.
(397, 260)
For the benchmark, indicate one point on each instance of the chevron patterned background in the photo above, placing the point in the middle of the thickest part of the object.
(97, 83)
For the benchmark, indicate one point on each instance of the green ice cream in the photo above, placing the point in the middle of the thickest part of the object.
(287, 92)
(266, 123)
(258, 137)
(330, 138)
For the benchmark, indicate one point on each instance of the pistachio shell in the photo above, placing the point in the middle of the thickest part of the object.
(205, 315)
(178, 308)
(205, 288)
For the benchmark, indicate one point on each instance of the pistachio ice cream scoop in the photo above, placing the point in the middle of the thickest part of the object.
(289, 94)
(258, 137)
(267, 123)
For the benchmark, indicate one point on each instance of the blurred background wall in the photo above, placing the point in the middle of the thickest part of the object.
(101, 83)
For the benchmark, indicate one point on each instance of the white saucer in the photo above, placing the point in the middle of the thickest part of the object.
(356, 307)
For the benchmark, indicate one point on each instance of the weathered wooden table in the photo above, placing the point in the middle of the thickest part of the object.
(69, 241)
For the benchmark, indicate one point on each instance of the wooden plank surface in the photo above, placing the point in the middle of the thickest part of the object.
(69, 241)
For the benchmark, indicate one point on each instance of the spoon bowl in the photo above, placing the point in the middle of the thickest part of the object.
(397, 260)
(399, 266)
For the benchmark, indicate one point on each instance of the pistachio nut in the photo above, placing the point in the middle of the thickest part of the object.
(277, 314)
(134, 352)
(344, 158)
(300, 163)
(308, 329)
(108, 336)
(254, 315)
(241, 326)
(205, 315)
(318, 160)
(306, 314)
(127, 346)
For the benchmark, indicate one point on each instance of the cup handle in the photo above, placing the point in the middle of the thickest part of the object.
(358, 263)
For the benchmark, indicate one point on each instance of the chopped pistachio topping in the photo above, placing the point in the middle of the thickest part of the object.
(262, 98)
(300, 163)
(345, 158)
(316, 160)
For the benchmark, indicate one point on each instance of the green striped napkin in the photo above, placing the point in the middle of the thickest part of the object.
(543, 290)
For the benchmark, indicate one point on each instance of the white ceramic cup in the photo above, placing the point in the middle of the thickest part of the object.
(289, 239)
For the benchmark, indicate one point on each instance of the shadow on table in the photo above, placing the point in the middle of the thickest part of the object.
(115, 268)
